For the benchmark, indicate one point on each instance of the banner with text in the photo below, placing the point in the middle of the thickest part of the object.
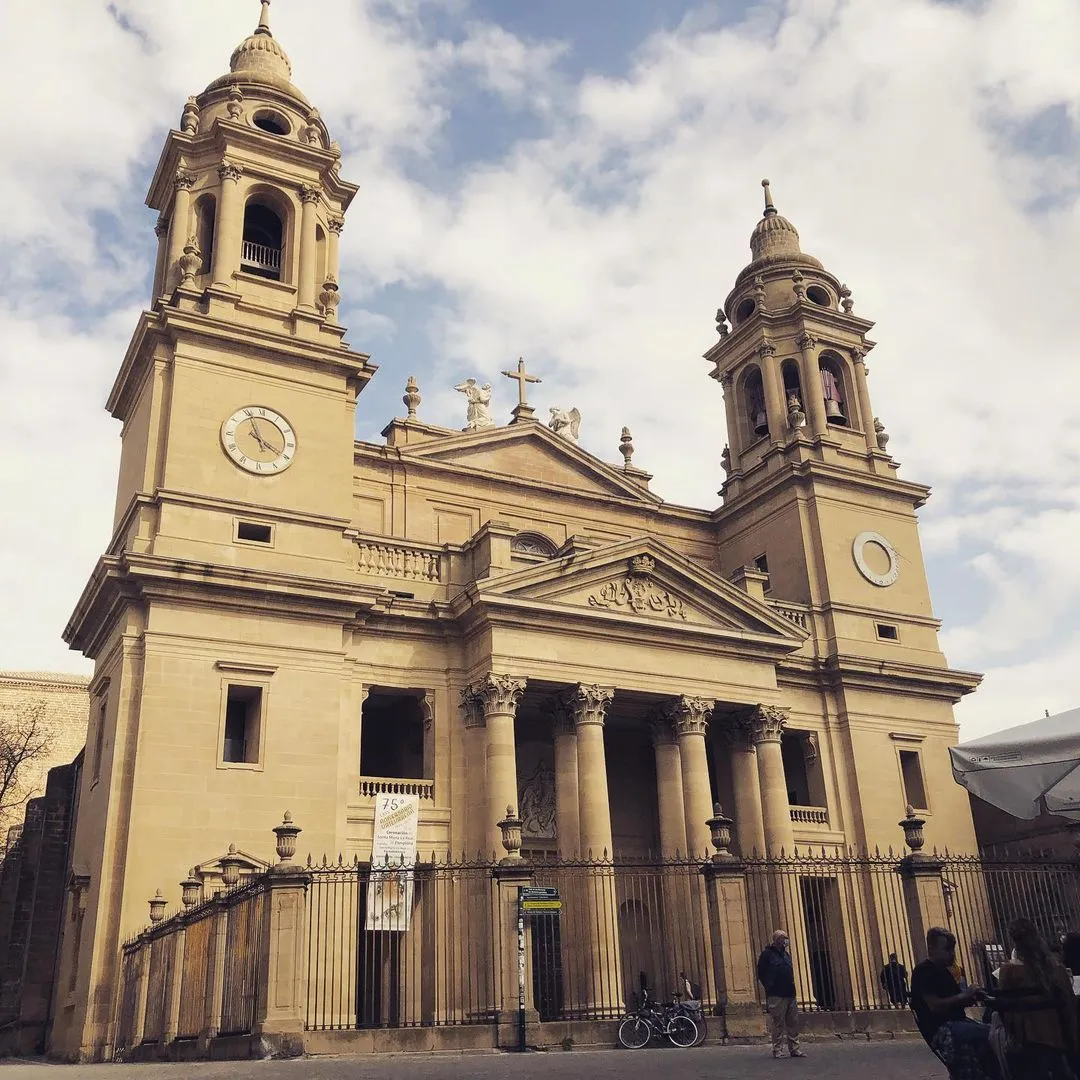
(393, 857)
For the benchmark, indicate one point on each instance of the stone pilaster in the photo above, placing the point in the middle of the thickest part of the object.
(814, 397)
(310, 194)
(229, 229)
(179, 227)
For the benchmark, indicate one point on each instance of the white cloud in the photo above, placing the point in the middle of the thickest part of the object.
(893, 134)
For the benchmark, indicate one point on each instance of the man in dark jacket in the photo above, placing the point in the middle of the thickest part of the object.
(777, 976)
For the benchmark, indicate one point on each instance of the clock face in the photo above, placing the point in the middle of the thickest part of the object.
(259, 440)
(876, 558)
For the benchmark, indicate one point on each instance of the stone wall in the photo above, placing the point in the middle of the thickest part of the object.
(63, 703)
(33, 880)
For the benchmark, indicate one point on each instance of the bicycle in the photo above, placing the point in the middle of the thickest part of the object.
(651, 1021)
(692, 1008)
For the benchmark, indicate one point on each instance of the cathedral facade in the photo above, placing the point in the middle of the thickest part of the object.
(486, 617)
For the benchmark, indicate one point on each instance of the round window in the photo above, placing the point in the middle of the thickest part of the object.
(273, 122)
(817, 295)
(745, 310)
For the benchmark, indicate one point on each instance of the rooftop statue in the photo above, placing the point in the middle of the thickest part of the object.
(478, 415)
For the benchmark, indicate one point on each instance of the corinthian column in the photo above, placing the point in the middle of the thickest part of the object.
(690, 718)
(179, 228)
(229, 230)
(766, 729)
(567, 805)
(310, 194)
(814, 396)
(749, 824)
(588, 705)
(862, 392)
(669, 789)
(601, 990)
(498, 697)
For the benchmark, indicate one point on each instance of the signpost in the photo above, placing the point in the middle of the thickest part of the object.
(531, 899)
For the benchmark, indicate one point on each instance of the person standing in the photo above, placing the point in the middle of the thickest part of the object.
(894, 982)
(777, 975)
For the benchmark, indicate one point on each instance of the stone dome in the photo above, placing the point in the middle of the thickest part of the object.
(260, 54)
(773, 235)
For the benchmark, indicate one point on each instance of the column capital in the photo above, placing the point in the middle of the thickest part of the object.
(735, 730)
(498, 693)
(689, 715)
(335, 224)
(766, 349)
(183, 180)
(858, 354)
(557, 710)
(726, 380)
(661, 730)
(161, 227)
(767, 723)
(588, 703)
(229, 170)
(472, 713)
(806, 341)
(310, 193)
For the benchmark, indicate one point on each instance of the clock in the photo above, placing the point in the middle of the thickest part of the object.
(259, 440)
(876, 558)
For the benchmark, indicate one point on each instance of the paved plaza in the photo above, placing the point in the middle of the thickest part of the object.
(900, 1059)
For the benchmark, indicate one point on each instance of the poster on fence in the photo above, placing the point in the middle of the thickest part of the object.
(393, 857)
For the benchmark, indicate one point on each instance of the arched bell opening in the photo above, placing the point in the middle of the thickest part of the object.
(753, 398)
(794, 402)
(264, 237)
(205, 217)
(834, 390)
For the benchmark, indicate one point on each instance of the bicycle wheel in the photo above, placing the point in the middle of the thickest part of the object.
(682, 1031)
(702, 1028)
(634, 1033)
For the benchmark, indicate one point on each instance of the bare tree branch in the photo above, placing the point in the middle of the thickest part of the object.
(24, 741)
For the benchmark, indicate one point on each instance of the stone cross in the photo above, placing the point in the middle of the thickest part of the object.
(523, 411)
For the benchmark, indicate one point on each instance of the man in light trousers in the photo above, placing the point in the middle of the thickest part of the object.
(777, 975)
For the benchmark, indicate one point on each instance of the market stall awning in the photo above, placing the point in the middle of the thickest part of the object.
(1026, 770)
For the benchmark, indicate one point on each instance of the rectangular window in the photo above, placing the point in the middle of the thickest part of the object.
(254, 532)
(99, 742)
(888, 632)
(761, 563)
(243, 725)
(914, 789)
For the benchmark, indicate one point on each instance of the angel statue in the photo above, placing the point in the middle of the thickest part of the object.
(478, 415)
(565, 422)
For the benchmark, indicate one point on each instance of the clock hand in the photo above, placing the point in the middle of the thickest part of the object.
(258, 437)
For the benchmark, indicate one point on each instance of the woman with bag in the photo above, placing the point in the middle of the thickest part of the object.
(1034, 1031)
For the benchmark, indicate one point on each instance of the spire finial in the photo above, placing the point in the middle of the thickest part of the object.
(770, 209)
(264, 18)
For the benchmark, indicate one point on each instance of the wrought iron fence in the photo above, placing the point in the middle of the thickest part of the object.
(983, 895)
(847, 921)
(400, 946)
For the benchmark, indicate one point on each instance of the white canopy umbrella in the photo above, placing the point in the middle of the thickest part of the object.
(1026, 770)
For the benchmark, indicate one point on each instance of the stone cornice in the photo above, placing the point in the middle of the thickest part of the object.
(167, 324)
(45, 680)
(885, 676)
(135, 579)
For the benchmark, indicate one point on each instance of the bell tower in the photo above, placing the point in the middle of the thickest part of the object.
(238, 387)
(812, 498)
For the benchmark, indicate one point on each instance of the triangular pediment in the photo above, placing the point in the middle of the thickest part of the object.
(529, 453)
(643, 579)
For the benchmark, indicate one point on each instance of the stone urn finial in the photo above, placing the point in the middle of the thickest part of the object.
(191, 888)
(722, 327)
(510, 827)
(235, 107)
(189, 119)
(157, 907)
(230, 867)
(720, 832)
(190, 262)
(626, 447)
(845, 299)
(286, 834)
(880, 434)
(329, 299)
(913, 830)
(412, 397)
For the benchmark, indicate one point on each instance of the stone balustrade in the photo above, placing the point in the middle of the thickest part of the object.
(799, 614)
(370, 786)
(392, 560)
(809, 815)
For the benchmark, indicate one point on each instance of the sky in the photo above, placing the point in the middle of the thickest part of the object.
(576, 181)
